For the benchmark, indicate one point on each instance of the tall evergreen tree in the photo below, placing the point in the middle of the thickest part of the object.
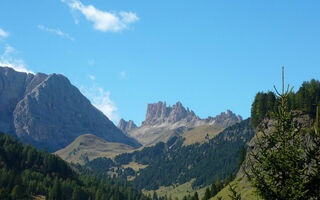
(55, 192)
(207, 194)
(278, 167)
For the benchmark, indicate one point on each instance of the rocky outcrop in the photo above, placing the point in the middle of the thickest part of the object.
(162, 119)
(224, 119)
(49, 112)
(158, 113)
(301, 119)
(126, 126)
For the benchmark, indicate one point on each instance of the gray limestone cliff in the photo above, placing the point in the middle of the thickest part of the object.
(158, 113)
(47, 111)
(161, 119)
(126, 126)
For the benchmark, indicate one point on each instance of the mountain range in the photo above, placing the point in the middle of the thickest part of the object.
(161, 119)
(47, 111)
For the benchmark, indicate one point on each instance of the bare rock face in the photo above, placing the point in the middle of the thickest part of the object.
(158, 113)
(224, 119)
(12, 89)
(126, 126)
(49, 112)
(161, 120)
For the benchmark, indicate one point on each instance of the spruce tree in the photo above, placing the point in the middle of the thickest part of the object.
(234, 194)
(207, 194)
(277, 168)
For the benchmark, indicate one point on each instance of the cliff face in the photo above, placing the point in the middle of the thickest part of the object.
(126, 126)
(161, 119)
(158, 113)
(48, 111)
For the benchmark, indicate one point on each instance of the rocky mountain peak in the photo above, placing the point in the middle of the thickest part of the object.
(225, 119)
(162, 119)
(126, 126)
(48, 111)
(158, 113)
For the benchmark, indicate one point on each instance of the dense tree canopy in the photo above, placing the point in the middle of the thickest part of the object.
(305, 99)
(173, 163)
(26, 171)
(284, 163)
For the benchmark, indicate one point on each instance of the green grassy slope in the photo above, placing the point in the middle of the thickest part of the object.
(88, 147)
(243, 187)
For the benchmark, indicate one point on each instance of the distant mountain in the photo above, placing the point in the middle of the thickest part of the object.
(159, 113)
(126, 126)
(87, 147)
(161, 119)
(49, 112)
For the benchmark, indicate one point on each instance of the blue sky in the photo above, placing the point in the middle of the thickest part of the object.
(210, 55)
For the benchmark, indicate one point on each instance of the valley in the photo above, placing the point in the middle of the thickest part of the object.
(172, 154)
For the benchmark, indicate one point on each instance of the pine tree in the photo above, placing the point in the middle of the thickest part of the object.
(207, 194)
(277, 167)
(55, 192)
(234, 194)
(17, 192)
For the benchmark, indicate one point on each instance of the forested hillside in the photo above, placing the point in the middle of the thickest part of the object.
(172, 163)
(26, 172)
(305, 99)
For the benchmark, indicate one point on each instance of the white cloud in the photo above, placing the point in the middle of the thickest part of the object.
(102, 20)
(55, 31)
(101, 100)
(128, 17)
(92, 77)
(7, 59)
(3, 33)
(123, 74)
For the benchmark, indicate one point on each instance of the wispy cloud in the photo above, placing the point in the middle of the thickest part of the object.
(3, 33)
(92, 77)
(55, 31)
(123, 74)
(8, 59)
(101, 100)
(102, 20)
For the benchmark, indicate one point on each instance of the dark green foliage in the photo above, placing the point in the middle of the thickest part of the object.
(242, 156)
(313, 156)
(99, 164)
(234, 194)
(18, 193)
(263, 103)
(305, 99)
(25, 171)
(55, 192)
(172, 163)
(308, 96)
(282, 167)
(195, 196)
(207, 194)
